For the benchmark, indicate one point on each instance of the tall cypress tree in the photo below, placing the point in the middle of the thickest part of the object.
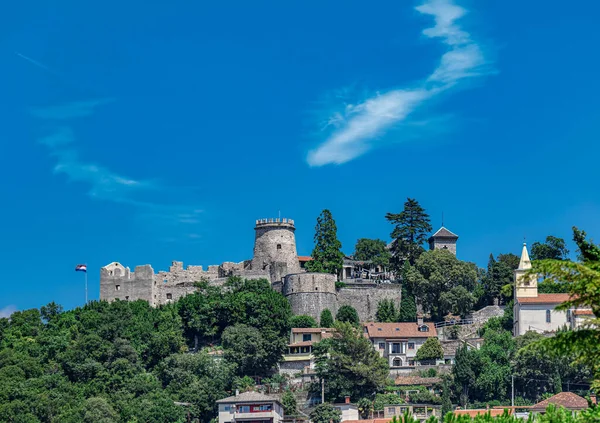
(408, 304)
(411, 230)
(327, 254)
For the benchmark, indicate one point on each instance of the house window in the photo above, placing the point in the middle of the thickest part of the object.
(382, 345)
(169, 296)
(118, 287)
(306, 337)
(402, 410)
(569, 316)
(379, 329)
(411, 345)
(279, 246)
(423, 328)
(243, 409)
(397, 362)
(396, 348)
(227, 408)
(548, 319)
(391, 410)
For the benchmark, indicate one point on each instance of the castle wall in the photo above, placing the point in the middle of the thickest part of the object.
(117, 282)
(365, 300)
(310, 293)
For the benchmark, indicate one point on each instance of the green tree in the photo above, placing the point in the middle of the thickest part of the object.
(386, 311)
(430, 350)
(326, 319)
(290, 406)
(98, 410)
(373, 250)
(411, 229)
(553, 249)
(327, 254)
(442, 283)
(365, 408)
(246, 347)
(349, 364)
(583, 281)
(325, 413)
(303, 321)
(408, 304)
(446, 402)
(347, 313)
(498, 279)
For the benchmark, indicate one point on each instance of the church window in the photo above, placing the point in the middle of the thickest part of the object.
(548, 316)
(279, 246)
(118, 287)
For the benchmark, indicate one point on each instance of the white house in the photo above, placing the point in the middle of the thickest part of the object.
(250, 407)
(537, 312)
(399, 342)
(349, 411)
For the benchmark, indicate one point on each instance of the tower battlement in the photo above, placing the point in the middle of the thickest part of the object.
(276, 222)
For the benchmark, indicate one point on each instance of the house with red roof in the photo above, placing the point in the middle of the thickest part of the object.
(567, 400)
(399, 342)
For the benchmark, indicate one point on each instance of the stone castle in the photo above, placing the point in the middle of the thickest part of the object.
(276, 259)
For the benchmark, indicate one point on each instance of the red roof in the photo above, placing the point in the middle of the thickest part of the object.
(305, 258)
(545, 299)
(399, 330)
(369, 421)
(568, 400)
(416, 380)
(581, 312)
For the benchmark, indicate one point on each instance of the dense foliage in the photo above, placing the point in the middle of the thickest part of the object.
(129, 362)
(553, 249)
(583, 281)
(373, 250)
(349, 364)
(347, 313)
(411, 230)
(430, 350)
(325, 413)
(327, 254)
(386, 312)
(303, 321)
(443, 283)
(326, 319)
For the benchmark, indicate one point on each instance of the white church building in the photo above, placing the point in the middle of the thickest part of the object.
(537, 312)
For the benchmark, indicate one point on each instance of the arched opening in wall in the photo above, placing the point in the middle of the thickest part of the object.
(316, 288)
(279, 246)
(397, 362)
(117, 272)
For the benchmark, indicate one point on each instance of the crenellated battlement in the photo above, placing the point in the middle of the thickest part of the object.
(275, 221)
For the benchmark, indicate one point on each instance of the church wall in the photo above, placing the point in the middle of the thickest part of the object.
(533, 317)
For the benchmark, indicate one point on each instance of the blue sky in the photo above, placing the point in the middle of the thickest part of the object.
(145, 132)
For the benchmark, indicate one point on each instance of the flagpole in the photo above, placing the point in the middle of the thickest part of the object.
(86, 291)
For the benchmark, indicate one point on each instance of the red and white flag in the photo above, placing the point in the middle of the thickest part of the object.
(81, 268)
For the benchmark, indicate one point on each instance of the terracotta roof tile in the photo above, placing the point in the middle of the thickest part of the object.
(305, 258)
(568, 400)
(399, 330)
(545, 299)
(416, 380)
(369, 421)
(582, 312)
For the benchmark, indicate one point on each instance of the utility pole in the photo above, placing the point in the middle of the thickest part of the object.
(322, 391)
(512, 380)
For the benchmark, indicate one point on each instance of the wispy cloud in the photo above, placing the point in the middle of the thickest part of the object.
(7, 311)
(103, 183)
(355, 128)
(68, 111)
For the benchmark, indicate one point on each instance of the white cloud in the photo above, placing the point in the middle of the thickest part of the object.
(356, 127)
(7, 311)
(105, 184)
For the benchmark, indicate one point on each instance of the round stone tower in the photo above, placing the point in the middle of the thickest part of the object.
(275, 248)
